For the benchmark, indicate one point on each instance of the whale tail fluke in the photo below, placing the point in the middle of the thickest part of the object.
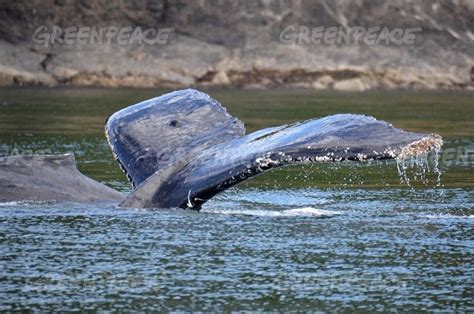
(182, 148)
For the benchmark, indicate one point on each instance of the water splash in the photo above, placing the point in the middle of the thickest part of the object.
(310, 211)
(414, 159)
(436, 169)
(296, 212)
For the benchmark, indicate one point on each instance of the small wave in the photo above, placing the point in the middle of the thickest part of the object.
(310, 211)
(297, 212)
(7, 204)
(24, 203)
(449, 216)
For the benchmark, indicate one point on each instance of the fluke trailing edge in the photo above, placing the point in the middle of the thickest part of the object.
(182, 148)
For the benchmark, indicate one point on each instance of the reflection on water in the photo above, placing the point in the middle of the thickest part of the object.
(323, 236)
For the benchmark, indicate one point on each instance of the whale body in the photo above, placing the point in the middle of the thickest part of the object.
(182, 148)
(50, 178)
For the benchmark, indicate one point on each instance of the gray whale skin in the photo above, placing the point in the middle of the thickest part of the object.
(182, 148)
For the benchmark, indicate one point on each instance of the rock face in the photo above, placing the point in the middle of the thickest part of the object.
(239, 43)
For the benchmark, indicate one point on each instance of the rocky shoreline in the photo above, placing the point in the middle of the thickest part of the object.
(243, 51)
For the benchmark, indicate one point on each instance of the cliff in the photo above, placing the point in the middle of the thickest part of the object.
(255, 44)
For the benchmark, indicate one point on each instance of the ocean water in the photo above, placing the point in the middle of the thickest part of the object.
(342, 236)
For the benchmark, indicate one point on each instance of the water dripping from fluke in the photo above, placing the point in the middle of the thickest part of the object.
(414, 159)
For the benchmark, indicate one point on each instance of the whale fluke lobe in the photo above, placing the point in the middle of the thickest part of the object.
(158, 132)
(211, 166)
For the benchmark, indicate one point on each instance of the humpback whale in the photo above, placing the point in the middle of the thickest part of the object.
(182, 148)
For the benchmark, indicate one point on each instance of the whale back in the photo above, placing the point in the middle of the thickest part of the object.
(49, 178)
(159, 132)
